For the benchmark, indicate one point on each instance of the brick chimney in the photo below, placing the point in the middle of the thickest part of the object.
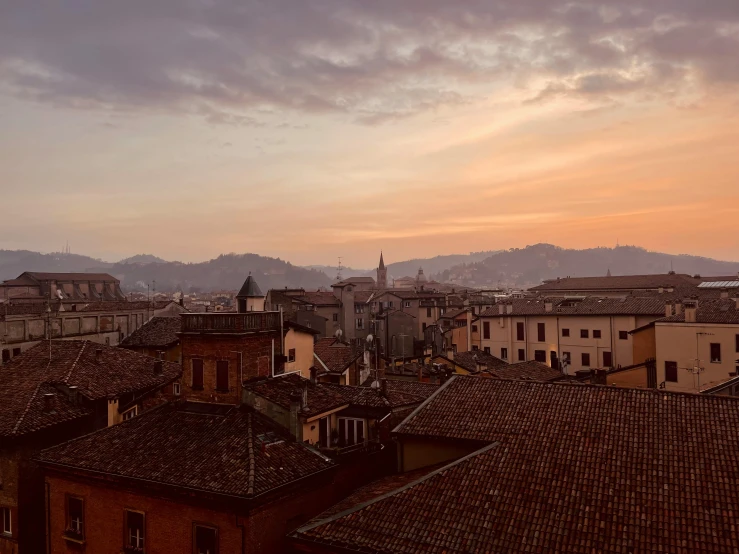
(450, 353)
(724, 293)
(668, 309)
(509, 308)
(158, 367)
(420, 373)
(501, 308)
(691, 309)
(678, 307)
(49, 401)
(73, 396)
(304, 397)
(548, 306)
(313, 375)
(98, 355)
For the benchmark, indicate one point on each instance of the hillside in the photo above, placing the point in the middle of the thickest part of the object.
(433, 265)
(227, 272)
(524, 267)
(143, 259)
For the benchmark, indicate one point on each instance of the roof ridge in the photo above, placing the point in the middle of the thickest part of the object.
(250, 450)
(399, 490)
(74, 364)
(27, 408)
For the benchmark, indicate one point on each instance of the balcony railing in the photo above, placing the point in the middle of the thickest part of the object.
(362, 448)
(230, 323)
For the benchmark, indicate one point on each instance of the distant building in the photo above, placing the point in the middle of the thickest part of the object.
(250, 297)
(34, 286)
(158, 337)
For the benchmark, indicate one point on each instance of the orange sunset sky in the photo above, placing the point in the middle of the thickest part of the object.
(310, 129)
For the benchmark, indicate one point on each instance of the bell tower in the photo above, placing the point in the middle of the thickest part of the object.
(381, 274)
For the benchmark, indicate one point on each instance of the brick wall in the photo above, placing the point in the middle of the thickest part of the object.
(257, 360)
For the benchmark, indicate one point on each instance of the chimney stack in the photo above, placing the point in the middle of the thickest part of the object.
(383, 387)
(73, 394)
(548, 306)
(691, 309)
(509, 308)
(500, 309)
(49, 402)
(668, 309)
(724, 293)
(158, 367)
(450, 353)
(313, 375)
(304, 397)
(420, 372)
(98, 355)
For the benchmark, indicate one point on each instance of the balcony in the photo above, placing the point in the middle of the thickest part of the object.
(230, 323)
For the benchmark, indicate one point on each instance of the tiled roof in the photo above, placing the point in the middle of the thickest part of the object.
(278, 390)
(73, 363)
(719, 311)
(567, 468)
(368, 397)
(336, 356)
(416, 388)
(159, 331)
(470, 359)
(40, 276)
(410, 369)
(534, 371)
(619, 282)
(123, 306)
(451, 314)
(590, 305)
(240, 453)
(361, 296)
(318, 298)
(250, 289)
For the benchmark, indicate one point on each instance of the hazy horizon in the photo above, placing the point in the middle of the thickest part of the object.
(313, 129)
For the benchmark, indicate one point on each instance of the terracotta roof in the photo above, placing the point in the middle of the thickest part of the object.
(40, 276)
(361, 296)
(159, 331)
(416, 388)
(239, 453)
(279, 390)
(122, 306)
(336, 356)
(719, 311)
(410, 369)
(590, 305)
(470, 359)
(73, 363)
(318, 298)
(561, 468)
(533, 371)
(368, 397)
(619, 282)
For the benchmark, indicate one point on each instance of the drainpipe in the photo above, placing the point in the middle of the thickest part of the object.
(273, 357)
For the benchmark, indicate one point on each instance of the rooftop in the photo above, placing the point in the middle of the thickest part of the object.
(470, 359)
(619, 282)
(230, 451)
(218, 322)
(533, 371)
(334, 355)
(718, 311)
(30, 375)
(280, 390)
(157, 332)
(559, 468)
(250, 289)
(589, 305)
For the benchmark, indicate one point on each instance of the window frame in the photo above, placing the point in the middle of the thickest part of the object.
(540, 354)
(541, 332)
(715, 359)
(486, 330)
(176, 389)
(130, 413)
(202, 525)
(672, 366)
(520, 331)
(583, 357)
(219, 370)
(201, 369)
(127, 533)
(584, 334)
(623, 335)
(521, 355)
(610, 355)
(290, 355)
(565, 332)
(357, 424)
(597, 334)
(6, 513)
(68, 516)
(504, 353)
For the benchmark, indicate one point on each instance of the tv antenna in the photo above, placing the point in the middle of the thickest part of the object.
(697, 368)
(339, 269)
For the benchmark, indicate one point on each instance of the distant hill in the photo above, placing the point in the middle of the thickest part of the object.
(346, 272)
(524, 267)
(432, 266)
(226, 272)
(143, 259)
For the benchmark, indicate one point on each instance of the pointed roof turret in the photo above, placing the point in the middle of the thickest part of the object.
(382, 262)
(250, 289)
(609, 272)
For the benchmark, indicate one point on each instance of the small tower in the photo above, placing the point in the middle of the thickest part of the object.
(609, 272)
(420, 278)
(381, 274)
(250, 297)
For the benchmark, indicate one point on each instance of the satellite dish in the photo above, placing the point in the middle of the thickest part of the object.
(375, 385)
(338, 333)
(370, 338)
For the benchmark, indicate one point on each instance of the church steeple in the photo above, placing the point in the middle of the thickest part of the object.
(381, 274)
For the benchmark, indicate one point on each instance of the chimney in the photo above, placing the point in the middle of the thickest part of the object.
(73, 394)
(548, 306)
(158, 367)
(383, 387)
(381, 373)
(509, 308)
(182, 300)
(724, 293)
(304, 397)
(313, 375)
(691, 309)
(295, 427)
(661, 290)
(49, 398)
(420, 373)
(500, 309)
(450, 353)
(668, 309)
(98, 355)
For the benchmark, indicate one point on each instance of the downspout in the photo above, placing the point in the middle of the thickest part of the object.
(613, 353)
(273, 357)
(559, 351)
(48, 517)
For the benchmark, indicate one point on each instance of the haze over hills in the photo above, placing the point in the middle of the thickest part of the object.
(523, 267)
(433, 265)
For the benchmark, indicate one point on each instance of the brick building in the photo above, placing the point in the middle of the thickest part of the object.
(84, 287)
(52, 393)
(157, 337)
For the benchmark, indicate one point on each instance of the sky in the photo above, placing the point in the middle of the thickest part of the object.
(312, 129)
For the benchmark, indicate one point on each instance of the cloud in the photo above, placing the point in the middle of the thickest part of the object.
(230, 60)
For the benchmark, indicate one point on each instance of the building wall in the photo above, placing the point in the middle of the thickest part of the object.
(303, 345)
(631, 378)
(171, 354)
(256, 350)
(415, 453)
(644, 343)
(681, 343)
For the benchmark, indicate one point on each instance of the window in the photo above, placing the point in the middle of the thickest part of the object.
(134, 525)
(737, 343)
(197, 374)
(607, 359)
(474, 329)
(623, 335)
(715, 353)
(503, 353)
(486, 329)
(360, 323)
(351, 431)
(291, 355)
(428, 312)
(521, 355)
(390, 304)
(566, 357)
(205, 539)
(565, 332)
(407, 304)
(475, 347)
(519, 331)
(423, 326)
(541, 332)
(358, 308)
(584, 333)
(222, 375)
(540, 356)
(335, 317)
(176, 389)
(486, 350)
(6, 356)
(585, 359)
(6, 523)
(16, 352)
(596, 333)
(324, 432)
(130, 414)
(671, 372)
(75, 517)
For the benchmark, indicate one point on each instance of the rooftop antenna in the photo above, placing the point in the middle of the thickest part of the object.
(338, 270)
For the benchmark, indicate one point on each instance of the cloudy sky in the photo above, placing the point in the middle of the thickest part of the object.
(311, 129)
